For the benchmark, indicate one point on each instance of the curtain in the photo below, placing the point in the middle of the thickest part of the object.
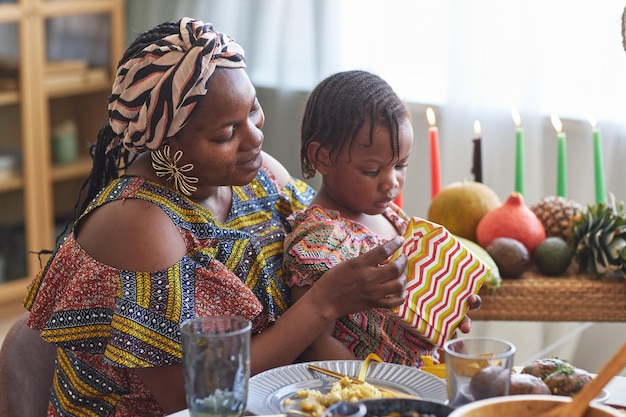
(469, 60)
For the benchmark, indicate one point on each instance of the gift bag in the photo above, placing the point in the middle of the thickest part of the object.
(442, 273)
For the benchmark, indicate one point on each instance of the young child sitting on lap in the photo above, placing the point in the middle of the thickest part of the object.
(357, 133)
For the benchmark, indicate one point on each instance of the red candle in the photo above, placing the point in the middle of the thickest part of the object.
(398, 200)
(435, 169)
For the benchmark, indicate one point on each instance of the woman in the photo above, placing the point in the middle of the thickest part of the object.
(195, 226)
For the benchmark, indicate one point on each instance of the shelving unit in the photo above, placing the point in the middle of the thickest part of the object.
(39, 192)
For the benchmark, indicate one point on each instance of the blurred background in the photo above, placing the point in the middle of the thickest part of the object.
(469, 60)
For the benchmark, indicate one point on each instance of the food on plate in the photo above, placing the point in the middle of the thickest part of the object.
(527, 384)
(567, 380)
(561, 377)
(541, 368)
(314, 402)
(489, 382)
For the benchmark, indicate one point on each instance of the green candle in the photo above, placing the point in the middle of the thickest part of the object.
(561, 181)
(519, 153)
(598, 167)
(561, 161)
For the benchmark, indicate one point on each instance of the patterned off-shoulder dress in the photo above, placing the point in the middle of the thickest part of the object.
(105, 321)
(320, 239)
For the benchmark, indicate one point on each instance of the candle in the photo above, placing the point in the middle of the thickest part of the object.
(477, 168)
(561, 162)
(398, 201)
(435, 169)
(519, 152)
(598, 164)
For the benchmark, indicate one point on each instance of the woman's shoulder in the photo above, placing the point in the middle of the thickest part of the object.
(278, 171)
(132, 234)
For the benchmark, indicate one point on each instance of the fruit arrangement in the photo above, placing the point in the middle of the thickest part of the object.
(553, 235)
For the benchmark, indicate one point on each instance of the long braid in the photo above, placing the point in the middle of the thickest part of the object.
(341, 105)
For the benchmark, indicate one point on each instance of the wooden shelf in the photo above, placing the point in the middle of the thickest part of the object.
(11, 180)
(81, 82)
(9, 97)
(50, 90)
(80, 169)
(573, 297)
(10, 12)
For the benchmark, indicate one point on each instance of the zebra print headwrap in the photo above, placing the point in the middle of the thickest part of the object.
(155, 91)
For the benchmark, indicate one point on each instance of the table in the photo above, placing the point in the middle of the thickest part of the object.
(616, 389)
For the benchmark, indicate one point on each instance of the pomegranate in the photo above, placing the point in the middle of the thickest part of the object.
(512, 219)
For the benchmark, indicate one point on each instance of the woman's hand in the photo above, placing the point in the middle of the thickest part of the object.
(364, 282)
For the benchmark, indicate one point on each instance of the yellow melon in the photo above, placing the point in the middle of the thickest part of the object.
(461, 205)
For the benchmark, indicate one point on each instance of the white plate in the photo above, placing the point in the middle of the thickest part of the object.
(602, 397)
(268, 390)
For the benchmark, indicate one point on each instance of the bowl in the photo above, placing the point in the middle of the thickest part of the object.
(526, 406)
(383, 407)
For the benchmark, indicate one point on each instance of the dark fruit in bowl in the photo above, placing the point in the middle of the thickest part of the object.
(511, 256)
(553, 256)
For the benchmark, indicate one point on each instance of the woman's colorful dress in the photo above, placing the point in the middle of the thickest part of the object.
(105, 321)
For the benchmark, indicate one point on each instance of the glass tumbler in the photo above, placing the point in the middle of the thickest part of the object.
(216, 362)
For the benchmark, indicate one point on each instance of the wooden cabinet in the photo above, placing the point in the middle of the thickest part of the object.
(56, 68)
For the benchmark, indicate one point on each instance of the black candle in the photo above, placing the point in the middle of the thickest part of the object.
(477, 166)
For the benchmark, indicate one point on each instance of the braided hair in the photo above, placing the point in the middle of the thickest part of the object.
(107, 166)
(341, 105)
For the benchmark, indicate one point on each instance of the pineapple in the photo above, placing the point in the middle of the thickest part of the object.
(598, 237)
(556, 213)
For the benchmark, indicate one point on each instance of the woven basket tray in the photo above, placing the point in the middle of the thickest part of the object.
(534, 297)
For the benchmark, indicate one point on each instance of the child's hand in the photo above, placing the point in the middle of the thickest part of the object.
(474, 304)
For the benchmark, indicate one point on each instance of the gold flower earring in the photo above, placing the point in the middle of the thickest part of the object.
(164, 165)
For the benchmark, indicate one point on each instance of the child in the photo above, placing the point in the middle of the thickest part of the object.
(357, 133)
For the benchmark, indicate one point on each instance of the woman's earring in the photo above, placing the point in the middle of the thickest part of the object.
(164, 165)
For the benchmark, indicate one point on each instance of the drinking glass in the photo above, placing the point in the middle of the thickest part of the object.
(216, 362)
(477, 368)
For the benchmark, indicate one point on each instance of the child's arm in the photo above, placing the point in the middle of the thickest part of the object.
(325, 347)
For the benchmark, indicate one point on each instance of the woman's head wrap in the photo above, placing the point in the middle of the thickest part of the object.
(156, 90)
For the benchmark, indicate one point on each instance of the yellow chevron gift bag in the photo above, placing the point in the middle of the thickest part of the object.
(442, 274)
